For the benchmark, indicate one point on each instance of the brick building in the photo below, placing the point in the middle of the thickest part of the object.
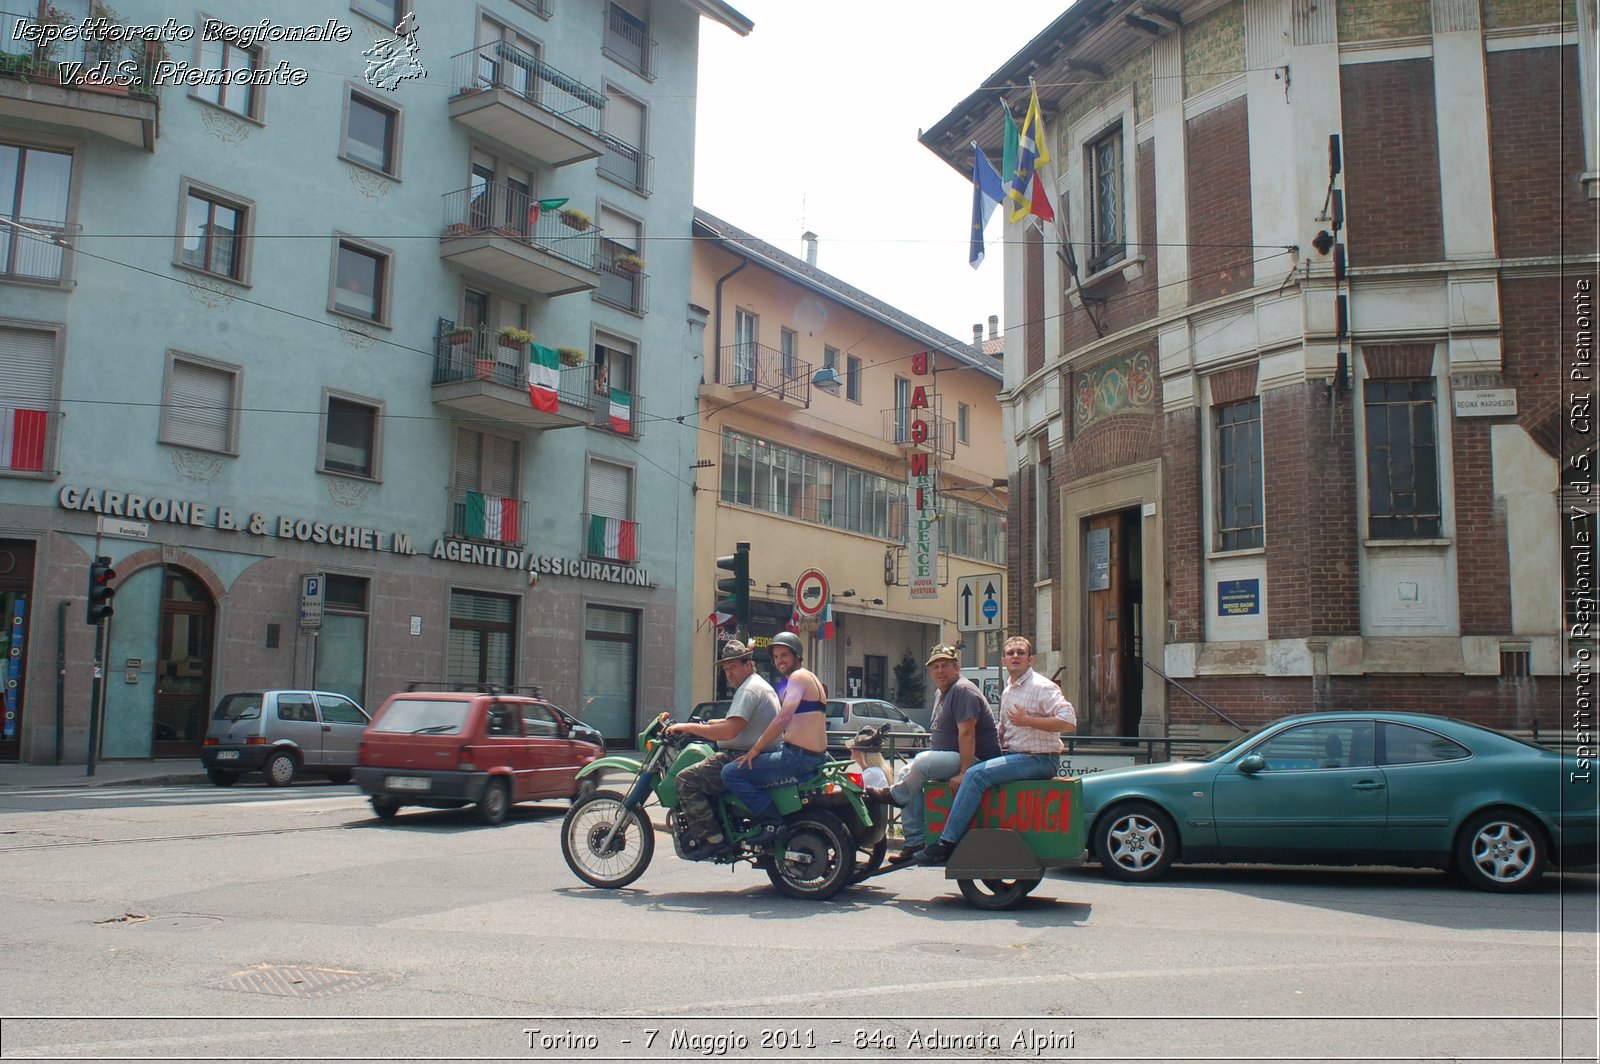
(1285, 375)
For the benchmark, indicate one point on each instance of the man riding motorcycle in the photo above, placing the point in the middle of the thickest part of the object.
(755, 704)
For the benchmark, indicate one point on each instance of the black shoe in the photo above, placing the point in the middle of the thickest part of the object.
(881, 795)
(907, 854)
(937, 854)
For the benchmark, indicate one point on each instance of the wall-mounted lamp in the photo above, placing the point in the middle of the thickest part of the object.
(848, 594)
(782, 585)
(1323, 241)
(875, 602)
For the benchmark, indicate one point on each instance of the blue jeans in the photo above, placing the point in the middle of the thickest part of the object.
(907, 791)
(985, 774)
(786, 764)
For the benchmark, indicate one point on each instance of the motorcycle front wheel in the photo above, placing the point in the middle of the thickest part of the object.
(816, 857)
(583, 834)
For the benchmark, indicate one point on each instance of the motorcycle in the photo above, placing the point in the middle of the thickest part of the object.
(832, 837)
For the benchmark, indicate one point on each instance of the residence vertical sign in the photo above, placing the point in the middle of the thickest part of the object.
(923, 485)
(313, 593)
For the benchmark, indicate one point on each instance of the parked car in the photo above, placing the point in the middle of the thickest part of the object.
(852, 714)
(448, 749)
(283, 735)
(711, 710)
(1352, 788)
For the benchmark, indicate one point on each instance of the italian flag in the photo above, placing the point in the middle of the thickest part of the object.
(21, 438)
(491, 517)
(544, 377)
(612, 537)
(621, 411)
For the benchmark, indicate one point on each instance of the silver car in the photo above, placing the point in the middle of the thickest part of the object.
(846, 716)
(283, 735)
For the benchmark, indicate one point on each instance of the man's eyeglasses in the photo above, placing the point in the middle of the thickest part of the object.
(1014, 653)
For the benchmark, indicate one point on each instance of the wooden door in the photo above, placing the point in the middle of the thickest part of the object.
(183, 690)
(1103, 578)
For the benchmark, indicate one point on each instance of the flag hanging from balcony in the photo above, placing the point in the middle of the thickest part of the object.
(544, 377)
(612, 537)
(621, 411)
(537, 206)
(1033, 151)
(491, 517)
(22, 433)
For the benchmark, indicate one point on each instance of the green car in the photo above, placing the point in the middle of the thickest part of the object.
(1353, 788)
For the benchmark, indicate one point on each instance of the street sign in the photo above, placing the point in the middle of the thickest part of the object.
(313, 590)
(978, 602)
(811, 592)
(116, 526)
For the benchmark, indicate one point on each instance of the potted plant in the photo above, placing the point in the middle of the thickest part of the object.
(460, 335)
(514, 338)
(573, 218)
(628, 262)
(570, 356)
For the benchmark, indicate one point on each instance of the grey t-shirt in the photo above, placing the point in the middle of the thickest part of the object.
(756, 702)
(963, 702)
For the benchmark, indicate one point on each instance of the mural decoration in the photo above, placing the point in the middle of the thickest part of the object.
(357, 335)
(196, 467)
(223, 126)
(208, 293)
(1124, 384)
(350, 494)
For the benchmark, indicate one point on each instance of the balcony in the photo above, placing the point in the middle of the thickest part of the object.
(610, 539)
(476, 376)
(616, 409)
(625, 164)
(622, 286)
(526, 104)
(743, 368)
(36, 250)
(628, 41)
(488, 519)
(88, 86)
(498, 231)
(28, 441)
(937, 433)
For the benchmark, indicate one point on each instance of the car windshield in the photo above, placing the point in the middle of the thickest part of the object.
(244, 706)
(423, 716)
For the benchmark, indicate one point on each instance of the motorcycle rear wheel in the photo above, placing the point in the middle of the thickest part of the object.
(816, 857)
(584, 830)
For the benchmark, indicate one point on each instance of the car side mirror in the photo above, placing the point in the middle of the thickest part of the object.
(1252, 763)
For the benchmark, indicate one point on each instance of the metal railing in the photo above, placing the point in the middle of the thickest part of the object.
(603, 412)
(625, 164)
(765, 369)
(75, 64)
(607, 542)
(35, 249)
(900, 428)
(495, 209)
(628, 41)
(463, 353)
(621, 286)
(487, 518)
(1191, 694)
(498, 65)
(28, 440)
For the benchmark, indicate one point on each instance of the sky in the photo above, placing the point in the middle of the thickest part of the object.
(811, 123)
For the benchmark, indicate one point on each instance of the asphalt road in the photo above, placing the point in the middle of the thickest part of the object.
(251, 923)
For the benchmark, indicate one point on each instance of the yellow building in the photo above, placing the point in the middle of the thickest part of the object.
(840, 435)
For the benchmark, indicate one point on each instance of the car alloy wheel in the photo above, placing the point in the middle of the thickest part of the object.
(1136, 842)
(1501, 851)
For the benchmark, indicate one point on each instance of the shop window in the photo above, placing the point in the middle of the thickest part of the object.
(482, 644)
(342, 643)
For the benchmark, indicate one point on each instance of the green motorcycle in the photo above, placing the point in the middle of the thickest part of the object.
(831, 836)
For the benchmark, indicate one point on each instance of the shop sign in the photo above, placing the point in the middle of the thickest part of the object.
(491, 557)
(923, 485)
(1238, 598)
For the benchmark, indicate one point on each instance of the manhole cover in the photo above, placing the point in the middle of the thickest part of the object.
(957, 949)
(287, 981)
(175, 922)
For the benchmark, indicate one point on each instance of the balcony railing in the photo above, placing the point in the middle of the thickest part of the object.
(28, 440)
(625, 164)
(35, 249)
(75, 63)
(622, 287)
(937, 434)
(628, 41)
(487, 518)
(497, 210)
(499, 65)
(616, 409)
(464, 354)
(765, 369)
(610, 538)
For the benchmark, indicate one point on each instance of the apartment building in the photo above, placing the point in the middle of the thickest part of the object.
(1296, 397)
(339, 329)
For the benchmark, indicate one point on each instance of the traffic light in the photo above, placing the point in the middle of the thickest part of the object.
(733, 592)
(100, 590)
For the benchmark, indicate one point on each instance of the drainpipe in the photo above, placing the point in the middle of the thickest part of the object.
(716, 335)
(61, 676)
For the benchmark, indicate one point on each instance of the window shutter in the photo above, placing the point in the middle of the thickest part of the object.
(200, 406)
(501, 476)
(27, 368)
(624, 120)
(608, 490)
(466, 467)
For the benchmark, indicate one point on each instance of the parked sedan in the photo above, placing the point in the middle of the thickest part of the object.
(1353, 788)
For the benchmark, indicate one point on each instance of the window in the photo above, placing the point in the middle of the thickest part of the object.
(609, 530)
(1106, 230)
(779, 480)
(35, 184)
(623, 131)
(351, 433)
(241, 97)
(1239, 488)
(297, 708)
(789, 345)
(385, 12)
(613, 369)
(336, 709)
(1402, 460)
(1041, 507)
(200, 408)
(963, 422)
(482, 639)
(486, 487)
(341, 661)
(972, 531)
(1405, 745)
(213, 232)
(610, 669)
(371, 134)
(1324, 745)
(627, 38)
(361, 281)
(28, 361)
(620, 286)
(902, 410)
(852, 378)
(744, 346)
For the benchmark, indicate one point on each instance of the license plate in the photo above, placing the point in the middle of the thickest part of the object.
(227, 755)
(406, 783)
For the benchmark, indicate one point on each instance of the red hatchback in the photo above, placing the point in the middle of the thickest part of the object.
(447, 749)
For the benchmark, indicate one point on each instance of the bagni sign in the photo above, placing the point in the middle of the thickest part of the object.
(923, 482)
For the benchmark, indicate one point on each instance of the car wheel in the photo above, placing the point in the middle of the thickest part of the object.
(1136, 842)
(386, 808)
(222, 777)
(281, 769)
(995, 893)
(495, 803)
(1501, 851)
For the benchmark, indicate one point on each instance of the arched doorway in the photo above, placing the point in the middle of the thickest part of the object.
(186, 638)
